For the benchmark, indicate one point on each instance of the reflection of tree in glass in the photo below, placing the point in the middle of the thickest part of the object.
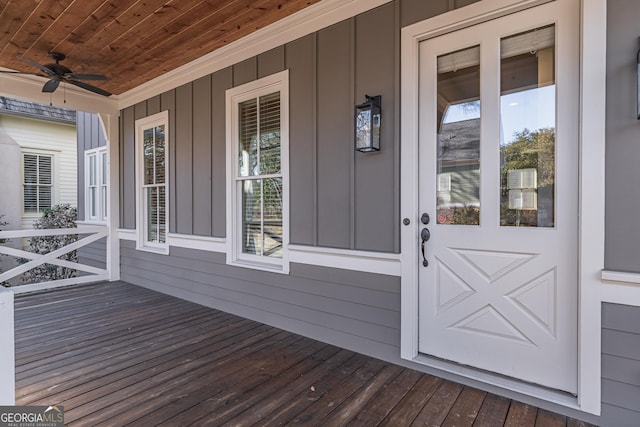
(154, 150)
(471, 109)
(260, 157)
(530, 149)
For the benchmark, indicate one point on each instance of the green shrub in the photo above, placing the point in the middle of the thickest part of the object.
(2, 224)
(59, 216)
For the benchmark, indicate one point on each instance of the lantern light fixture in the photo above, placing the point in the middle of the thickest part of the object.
(367, 124)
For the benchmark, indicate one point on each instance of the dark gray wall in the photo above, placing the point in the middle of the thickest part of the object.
(90, 135)
(620, 365)
(622, 231)
(620, 323)
(94, 254)
(339, 198)
(355, 310)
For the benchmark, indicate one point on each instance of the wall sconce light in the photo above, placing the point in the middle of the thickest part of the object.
(367, 124)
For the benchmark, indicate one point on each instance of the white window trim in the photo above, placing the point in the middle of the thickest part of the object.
(100, 208)
(55, 179)
(275, 82)
(161, 118)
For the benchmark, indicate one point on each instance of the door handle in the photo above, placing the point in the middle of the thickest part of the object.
(425, 235)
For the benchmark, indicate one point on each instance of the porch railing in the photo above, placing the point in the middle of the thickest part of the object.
(7, 349)
(92, 274)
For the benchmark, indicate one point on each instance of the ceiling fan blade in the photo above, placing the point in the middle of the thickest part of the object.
(50, 86)
(20, 72)
(39, 66)
(90, 87)
(81, 76)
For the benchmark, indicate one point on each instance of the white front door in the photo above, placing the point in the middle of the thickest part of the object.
(498, 179)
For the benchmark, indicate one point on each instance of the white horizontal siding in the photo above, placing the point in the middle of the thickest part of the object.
(61, 140)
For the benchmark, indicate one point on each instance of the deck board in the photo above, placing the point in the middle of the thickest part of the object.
(117, 354)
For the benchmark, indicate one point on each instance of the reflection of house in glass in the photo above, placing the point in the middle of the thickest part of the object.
(522, 185)
(458, 181)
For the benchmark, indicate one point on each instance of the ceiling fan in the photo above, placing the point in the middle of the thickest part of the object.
(59, 73)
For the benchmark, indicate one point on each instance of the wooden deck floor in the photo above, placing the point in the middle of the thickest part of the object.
(117, 354)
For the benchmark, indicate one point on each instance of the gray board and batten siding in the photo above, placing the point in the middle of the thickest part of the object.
(620, 365)
(348, 200)
(90, 136)
(338, 198)
(621, 323)
(330, 185)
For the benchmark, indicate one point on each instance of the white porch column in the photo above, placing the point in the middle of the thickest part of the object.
(7, 349)
(112, 133)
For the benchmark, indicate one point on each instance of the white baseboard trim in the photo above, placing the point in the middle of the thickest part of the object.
(365, 261)
(371, 262)
(125, 234)
(620, 287)
(203, 243)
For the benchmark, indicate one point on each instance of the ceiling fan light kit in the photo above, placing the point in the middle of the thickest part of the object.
(57, 73)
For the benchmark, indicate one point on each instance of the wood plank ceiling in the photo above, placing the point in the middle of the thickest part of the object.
(131, 42)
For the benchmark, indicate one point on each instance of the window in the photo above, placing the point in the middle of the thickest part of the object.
(37, 182)
(96, 193)
(257, 158)
(152, 160)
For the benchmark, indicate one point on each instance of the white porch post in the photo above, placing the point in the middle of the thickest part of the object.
(592, 200)
(7, 349)
(111, 130)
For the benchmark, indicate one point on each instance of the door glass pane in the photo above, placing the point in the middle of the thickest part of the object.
(45, 170)
(104, 203)
(252, 216)
(162, 218)
(92, 169)
(30, 198)
(30, 169)
(103, 156)
(152, 214)
(148, 154)
(270, 134)
(160, 147)
(44, 197)
(92, 202)
(458, 143)
(272, 232)
(528, 123)
(248, 134)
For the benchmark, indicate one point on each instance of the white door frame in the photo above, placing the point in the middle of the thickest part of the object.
(591, 201)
